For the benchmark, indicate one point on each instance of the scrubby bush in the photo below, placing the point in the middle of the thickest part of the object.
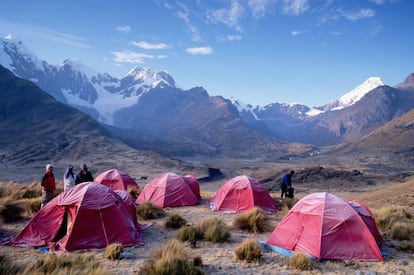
(214, 230)
(12, 211)
(32, 205)
(402, 231)
(190, 234)
(113, 251)
(175, 221)
(300, 261)
(255, 221)
(249, 251)
(147, 211)
(395, 221)
(407, 246)
(20, 191)
(7, 266)
(172, 258)
(65, 264)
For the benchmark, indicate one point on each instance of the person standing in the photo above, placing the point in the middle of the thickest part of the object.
(68, 178)
(84, 175)
(286, 184)
(48, 185)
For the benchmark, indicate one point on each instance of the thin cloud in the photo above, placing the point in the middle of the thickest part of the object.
(131, 57)
(354, 16)
(184, 15)
(229, 17)
(295, 7)
(378, 2)
(259, 8)
(199, 50)
(123, 29)
(296, 33)
(150, 46)
(230, 37)
(44, 33)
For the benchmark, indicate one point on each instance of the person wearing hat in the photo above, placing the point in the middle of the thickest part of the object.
(48, 185)
(68, 178)
(84, 175)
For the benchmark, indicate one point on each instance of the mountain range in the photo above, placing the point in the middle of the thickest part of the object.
(148, 111)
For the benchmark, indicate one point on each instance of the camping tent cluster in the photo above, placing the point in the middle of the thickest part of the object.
(95, 214)
(326, 226)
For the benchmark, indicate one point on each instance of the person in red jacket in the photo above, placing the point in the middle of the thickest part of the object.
(48, 185)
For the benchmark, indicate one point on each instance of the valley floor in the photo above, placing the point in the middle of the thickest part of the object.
(221, 259)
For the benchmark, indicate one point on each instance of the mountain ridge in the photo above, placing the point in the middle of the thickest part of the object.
(138, 103)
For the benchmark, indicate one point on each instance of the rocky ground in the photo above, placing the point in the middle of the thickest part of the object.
(221, 259)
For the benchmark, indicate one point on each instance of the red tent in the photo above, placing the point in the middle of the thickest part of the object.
(327, 227)
(86, 216)
(168, 190)
(116, 180)
(367, 216)
(193, 182)
(241, 194)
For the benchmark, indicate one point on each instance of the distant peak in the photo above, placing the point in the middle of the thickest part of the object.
(359, 92)
(151, 78)
(10, 36)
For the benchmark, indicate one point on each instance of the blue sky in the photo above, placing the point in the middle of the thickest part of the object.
(259, 51)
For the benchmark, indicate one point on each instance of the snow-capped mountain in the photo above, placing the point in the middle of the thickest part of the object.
(98, 94)
(356, 94)
(149, 103)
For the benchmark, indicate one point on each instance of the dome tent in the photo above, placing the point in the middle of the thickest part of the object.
(367, 217)
(168, 190)
(194, 184)
(241, 194)
(116, 180)
(86, 216)
(325, 226)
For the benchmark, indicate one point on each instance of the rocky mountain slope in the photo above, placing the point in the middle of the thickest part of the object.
(35, 129)
(147, 110)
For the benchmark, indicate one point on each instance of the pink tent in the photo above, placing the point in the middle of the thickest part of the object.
(367, 216)
(86, 216)
(116, 180)
(168, 190)
(327, 227)
(193, 182)
(241, 194)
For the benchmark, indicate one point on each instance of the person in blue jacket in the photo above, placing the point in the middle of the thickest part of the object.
(286, 183)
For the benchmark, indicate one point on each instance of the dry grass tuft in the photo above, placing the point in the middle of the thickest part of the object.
(172, 258)
(113, 251)
(300, 261)
(8, 267)
(255, 221)
(249, 251)
(32, 205)
(190, 234)
(65, 264)
(402, 231)
(386, 217)
(407, 246)
(18, 191)
(214, 230)
(147, 211)
(175, 221)
(12, 211)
